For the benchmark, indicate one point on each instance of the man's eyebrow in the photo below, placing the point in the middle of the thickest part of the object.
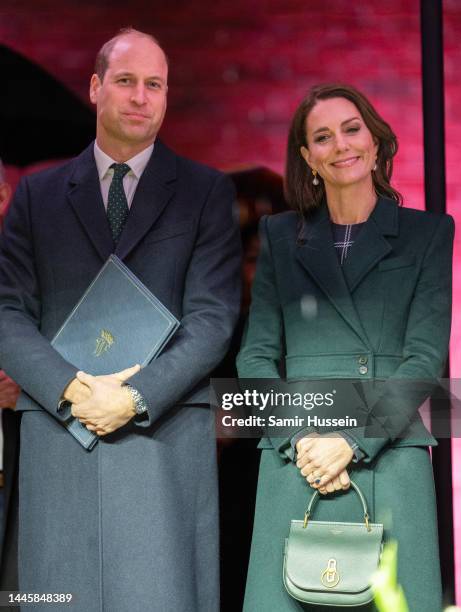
(126, 73)
(325, 129)
(156, 78)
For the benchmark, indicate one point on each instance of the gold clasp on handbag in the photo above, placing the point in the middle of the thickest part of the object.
(367, 521)
(306, 519)
(330, 577)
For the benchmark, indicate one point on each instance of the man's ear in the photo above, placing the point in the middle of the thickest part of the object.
(95, 85)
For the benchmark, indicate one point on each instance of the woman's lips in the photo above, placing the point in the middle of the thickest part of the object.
(345, 163)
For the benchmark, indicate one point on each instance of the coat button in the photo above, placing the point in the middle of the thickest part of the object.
(363, 359)
(363, 369)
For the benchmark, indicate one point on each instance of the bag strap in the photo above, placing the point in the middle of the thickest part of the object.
(315, 497)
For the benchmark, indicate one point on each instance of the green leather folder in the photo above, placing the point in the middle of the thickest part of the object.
(117, 323)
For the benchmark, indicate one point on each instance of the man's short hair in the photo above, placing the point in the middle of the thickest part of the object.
(2, 172)
(102, 58)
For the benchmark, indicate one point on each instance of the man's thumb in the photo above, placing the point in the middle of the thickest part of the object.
(128, 373)
(85, 378)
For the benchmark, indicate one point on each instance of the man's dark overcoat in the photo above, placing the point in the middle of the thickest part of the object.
(131, 525)
(385, 315)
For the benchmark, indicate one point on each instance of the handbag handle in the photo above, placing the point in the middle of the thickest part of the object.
(314, 499)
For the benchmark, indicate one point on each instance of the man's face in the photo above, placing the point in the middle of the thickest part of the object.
(131, 99)
(5, 194)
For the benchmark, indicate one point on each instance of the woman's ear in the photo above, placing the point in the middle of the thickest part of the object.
(305, 154)
(376, 141)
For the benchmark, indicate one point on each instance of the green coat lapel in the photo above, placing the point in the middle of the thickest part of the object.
(371, 245)
(315, 251)
(317, 254)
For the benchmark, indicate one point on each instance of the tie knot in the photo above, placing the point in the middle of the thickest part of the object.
(120, 170)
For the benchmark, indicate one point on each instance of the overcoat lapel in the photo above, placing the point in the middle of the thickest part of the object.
(317, 254)
(371, 246)
(155, 189)
(85, 197)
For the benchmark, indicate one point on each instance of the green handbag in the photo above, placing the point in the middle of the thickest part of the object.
(330, 564)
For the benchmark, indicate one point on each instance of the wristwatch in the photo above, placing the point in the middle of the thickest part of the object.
(139, 403)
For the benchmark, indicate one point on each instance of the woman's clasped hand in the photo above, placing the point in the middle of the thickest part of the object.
(322, 460)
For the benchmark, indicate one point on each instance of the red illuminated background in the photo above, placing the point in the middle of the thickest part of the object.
(239, 69)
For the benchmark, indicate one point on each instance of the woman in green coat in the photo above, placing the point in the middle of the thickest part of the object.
(349, 286)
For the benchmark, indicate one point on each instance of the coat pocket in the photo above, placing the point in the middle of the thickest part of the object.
(165, 231)
(26, 403)
(397, 262)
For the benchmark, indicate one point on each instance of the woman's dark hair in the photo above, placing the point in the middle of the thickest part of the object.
(300, 192)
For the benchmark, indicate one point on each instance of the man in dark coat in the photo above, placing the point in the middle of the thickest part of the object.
(131, 525)
(9, 392)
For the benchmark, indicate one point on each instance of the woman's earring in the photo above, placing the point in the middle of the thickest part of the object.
(315, 180)
(375, 167)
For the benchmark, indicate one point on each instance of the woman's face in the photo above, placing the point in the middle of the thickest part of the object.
(339, 144)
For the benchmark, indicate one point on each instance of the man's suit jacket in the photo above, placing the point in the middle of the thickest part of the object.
(110, 525)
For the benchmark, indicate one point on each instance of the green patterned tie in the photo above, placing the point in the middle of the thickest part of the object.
(117, 204)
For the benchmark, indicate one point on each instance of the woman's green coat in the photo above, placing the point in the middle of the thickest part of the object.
(384, 315)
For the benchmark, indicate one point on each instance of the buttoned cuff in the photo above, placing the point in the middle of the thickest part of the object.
(358, 453)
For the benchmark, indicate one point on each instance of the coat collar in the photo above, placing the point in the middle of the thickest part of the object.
(371, 245)
(154, 190)
(317, 254)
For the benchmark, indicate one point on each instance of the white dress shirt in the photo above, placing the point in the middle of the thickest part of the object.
(131, 178)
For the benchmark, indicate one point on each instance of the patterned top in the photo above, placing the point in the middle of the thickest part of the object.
(344, 237)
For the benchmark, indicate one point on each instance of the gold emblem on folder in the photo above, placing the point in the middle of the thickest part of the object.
(104, 342)
(330, 577)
